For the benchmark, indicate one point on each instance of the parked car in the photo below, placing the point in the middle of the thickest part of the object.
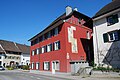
(2, 68)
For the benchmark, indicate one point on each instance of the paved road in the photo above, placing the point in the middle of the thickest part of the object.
(12, 75)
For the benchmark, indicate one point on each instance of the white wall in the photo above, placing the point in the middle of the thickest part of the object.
(1, 59)
(99, 28)
(25, 58)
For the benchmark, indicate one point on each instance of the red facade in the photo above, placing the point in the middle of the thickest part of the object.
(68, 47)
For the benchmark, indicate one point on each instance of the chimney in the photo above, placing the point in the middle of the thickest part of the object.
(75, 9)
(68, 10)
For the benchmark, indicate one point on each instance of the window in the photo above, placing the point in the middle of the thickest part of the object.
(49, 47)
(43, 49)
(112, 19)
(33, 52)
(111, 36)
(48, 35)
(46, 65)
(57, 45)
(43, 37)
(37, 65)
(56, 31)
(56, 65)
(40, 50)
(37, 52)
(88, 35)
(32, 65)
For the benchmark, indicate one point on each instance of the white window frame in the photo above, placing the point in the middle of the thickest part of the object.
(32, 65)
(113, 34)
(37, 52)
(56, 45)
(46, 65)
(43, 49)
(37, 65)
(33, 52)
(56, 65)
(49, 47)
(88, 35)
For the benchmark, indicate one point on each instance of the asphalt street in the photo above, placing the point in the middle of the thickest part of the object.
(10, 75)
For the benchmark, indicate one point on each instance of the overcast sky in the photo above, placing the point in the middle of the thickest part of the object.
(20, 20)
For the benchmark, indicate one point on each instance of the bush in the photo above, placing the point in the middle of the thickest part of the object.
(25, 67)
(10, 68)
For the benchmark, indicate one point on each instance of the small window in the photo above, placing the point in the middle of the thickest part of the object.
(37, 65)
(112, 19)
(43, 49)
(49, 47)
(37, 52)
(43, 37)
(111, 36)
(88, 35)
(49, 34)
(57, 45)
(33, 52)
(32, 65)
(56, 31)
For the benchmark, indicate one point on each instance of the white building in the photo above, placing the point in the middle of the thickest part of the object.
(106, 35)
(12, 53)
(25, 54)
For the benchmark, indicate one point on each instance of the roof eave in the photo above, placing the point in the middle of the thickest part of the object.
(106, 14)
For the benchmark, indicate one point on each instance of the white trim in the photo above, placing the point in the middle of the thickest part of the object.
(3, 49)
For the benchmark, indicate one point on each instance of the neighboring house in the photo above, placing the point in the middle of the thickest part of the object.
(106, 35)
(11, 52)
(25, 55)
(66, 40)
(1, 55)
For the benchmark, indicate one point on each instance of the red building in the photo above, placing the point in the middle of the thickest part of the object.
(66, 39)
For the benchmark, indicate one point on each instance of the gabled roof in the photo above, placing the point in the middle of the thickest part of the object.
(9, 46)
(1, 50)
(15, 47)
(108, 8)
(23, 48)
(60, 20)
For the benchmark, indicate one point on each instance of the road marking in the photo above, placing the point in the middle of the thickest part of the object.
(38, 78)
(31, 76)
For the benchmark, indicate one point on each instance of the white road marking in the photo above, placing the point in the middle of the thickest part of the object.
(38, 78)
(31, 76)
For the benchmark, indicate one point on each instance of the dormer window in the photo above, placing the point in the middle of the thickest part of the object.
(112, 19)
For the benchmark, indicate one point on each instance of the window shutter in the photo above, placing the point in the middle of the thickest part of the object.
(43, 65)
(58, 44)
(48, 65)
(105, 37)
(115, 18)
(40, 50)
(53, 46)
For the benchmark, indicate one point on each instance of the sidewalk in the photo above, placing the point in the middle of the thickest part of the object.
(97, 75)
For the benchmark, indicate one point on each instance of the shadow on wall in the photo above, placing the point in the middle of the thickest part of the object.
(88, 48)
(112, 57)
